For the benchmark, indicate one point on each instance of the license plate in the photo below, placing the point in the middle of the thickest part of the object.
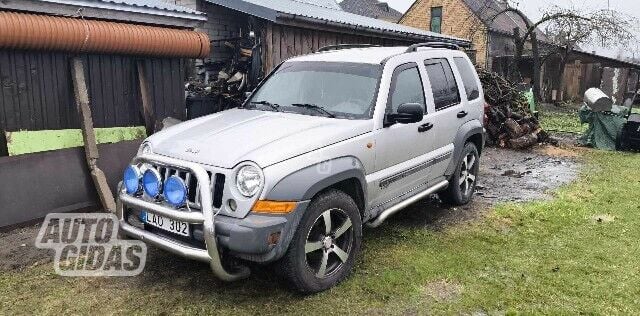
(170, 225)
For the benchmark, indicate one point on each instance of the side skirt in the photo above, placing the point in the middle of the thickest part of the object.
(399, 206)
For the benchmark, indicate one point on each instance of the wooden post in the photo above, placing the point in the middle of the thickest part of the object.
(88, 135)
(147, 105)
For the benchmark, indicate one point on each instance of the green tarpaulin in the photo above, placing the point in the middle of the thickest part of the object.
(604, 127)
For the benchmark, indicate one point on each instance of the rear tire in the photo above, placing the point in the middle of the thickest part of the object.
(324, 248)
(463, 181)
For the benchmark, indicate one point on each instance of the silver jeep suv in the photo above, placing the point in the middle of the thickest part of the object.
(328, 142)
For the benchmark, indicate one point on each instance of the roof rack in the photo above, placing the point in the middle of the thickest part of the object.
(415, 47)
(344, 46)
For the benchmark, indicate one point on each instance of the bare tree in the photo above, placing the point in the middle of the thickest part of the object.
(603, 28)
(567, 29)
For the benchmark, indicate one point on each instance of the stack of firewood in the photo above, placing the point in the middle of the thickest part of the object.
(508, 120)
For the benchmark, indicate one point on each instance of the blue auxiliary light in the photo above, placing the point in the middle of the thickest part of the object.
(131, 180)
(175, 191)
(151, 182)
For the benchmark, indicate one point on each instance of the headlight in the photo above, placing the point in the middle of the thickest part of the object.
(175, 191)
(249, 180)
(151, 182)
(131, 179)
(145, 149)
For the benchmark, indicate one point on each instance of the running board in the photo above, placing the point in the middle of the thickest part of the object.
(392, 210)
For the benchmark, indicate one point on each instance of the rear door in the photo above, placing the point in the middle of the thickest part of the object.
(450, 111)
(470, 88)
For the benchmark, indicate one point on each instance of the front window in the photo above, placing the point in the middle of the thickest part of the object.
(406, 87)
(335, 89)
(436, 19)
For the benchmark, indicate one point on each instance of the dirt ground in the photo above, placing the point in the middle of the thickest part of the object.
(505, 176)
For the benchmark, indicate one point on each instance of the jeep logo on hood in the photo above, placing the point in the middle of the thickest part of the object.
(191, 150)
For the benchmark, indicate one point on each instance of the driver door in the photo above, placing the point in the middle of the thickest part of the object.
(401, 149)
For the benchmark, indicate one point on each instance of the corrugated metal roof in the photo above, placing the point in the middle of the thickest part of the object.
(329, 4)
(154, 4)
(135, 6)
(274, 10)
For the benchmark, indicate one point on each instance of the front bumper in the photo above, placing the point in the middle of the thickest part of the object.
(205, 217)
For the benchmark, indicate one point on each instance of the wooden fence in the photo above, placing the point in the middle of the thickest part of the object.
(36, 92)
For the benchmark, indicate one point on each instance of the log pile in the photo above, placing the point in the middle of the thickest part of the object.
(508, 120)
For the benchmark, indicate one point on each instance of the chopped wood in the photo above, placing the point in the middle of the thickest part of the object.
(509, 121)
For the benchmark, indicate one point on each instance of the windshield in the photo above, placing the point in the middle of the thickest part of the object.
(342, 90)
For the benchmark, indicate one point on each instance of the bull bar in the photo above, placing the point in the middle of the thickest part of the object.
(206, 217)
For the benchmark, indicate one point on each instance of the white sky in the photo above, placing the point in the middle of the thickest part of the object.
(533, 9)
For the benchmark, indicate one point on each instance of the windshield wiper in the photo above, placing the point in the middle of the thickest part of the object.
(314, 107)
(274, 106)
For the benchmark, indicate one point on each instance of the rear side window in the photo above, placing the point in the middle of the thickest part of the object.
(406, 87)
(468, 78)
(443, 84)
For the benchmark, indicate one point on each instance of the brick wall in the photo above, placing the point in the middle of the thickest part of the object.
(457, 20)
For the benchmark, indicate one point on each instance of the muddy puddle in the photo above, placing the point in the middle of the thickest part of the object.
(515, 176)
(505, 176)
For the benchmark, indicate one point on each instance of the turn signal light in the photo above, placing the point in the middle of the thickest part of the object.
(274, 207)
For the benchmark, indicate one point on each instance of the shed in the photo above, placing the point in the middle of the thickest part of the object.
(117, 40)
(293, 27)
(263, 33)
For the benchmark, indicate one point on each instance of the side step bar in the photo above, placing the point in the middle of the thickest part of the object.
(392, 210)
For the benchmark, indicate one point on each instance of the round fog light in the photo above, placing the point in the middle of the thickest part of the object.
(151, 182)
(175, 191)
(131, 180)
(232, 205)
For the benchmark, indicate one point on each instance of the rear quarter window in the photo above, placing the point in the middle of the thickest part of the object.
(468, 78)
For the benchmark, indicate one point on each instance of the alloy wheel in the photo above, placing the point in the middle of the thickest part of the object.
(329, 243)
(467, 174)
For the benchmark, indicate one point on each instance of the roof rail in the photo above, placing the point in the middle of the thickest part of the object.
(415, 47)
(344, 46)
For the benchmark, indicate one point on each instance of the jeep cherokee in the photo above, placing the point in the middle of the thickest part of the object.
(326, 143)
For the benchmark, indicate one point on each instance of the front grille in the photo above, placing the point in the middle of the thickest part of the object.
(193, 199)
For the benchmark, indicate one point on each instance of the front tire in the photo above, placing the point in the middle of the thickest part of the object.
(324, 248)
(463, 181)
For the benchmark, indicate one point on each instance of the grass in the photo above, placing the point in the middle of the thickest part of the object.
(564, 121)
(547, 257)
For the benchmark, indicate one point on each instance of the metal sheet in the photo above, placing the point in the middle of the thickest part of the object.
(274, 10)
(56, 181)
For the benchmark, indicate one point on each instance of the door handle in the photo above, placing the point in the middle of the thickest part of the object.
(425, 127)
(462, 114)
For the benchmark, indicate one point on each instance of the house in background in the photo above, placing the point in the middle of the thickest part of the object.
(494, 47)
(470, 19)
(372, 8)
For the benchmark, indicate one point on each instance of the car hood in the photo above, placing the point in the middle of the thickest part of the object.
(233, 136)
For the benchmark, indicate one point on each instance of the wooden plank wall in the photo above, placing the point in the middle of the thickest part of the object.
(282, 42)
(36, 91)
(573, 75)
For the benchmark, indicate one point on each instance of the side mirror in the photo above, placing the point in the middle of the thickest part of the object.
(407, 113)
(247, 94)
